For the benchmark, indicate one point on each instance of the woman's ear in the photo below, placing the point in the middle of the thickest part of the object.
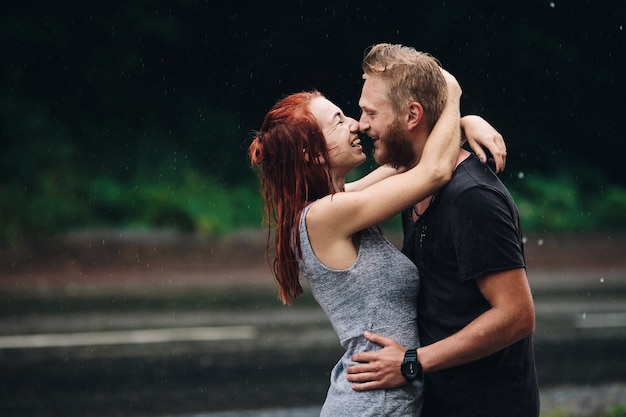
(320, 159)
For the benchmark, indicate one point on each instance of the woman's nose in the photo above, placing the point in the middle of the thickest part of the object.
(354, 125)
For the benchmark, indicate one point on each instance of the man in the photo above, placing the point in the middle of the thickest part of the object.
(475, 308)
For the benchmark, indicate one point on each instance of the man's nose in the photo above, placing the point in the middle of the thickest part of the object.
(363, 126)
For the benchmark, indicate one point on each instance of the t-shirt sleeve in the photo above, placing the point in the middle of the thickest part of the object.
(486, 233)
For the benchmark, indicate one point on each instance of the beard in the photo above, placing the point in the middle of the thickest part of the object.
(395, 148)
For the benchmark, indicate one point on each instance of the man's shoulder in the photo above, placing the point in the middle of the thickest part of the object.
(467, 175)
(471, 174)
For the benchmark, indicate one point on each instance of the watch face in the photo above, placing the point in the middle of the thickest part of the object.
(410, 369)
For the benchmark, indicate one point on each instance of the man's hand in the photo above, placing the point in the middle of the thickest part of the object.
(379, 369)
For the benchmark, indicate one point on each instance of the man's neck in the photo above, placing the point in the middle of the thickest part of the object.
(463, 155)
(421, 207)
(419, 141)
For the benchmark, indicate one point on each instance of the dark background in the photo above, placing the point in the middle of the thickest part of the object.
(148, 89)
(99, 100)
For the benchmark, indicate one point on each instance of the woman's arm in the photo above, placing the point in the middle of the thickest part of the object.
(373, 177)
(480, 135)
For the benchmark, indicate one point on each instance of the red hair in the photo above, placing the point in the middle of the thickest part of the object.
(285, 154)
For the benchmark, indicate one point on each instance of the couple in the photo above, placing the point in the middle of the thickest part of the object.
(470, 305)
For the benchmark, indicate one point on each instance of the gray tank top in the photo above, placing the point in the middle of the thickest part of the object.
(377, 293)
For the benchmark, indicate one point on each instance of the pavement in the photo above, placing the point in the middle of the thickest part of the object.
(117, 260)
(104, 296)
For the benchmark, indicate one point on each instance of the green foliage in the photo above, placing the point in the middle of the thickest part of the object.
(618, 410)
(558, 412)
(565, 203)
(191, 203)
(61, 200)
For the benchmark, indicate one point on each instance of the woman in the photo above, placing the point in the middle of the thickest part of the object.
(305, 148)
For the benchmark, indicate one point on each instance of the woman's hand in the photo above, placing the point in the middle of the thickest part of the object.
(481, 135)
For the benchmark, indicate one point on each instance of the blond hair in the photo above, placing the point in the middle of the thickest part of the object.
(410, 76)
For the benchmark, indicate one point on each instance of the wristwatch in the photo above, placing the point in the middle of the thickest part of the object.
(411, 368)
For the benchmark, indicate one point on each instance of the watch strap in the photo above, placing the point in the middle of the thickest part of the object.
(410, 354)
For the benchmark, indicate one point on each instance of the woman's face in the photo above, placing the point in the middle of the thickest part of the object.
(343, 143)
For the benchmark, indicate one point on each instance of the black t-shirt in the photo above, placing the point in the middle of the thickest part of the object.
(471, 228)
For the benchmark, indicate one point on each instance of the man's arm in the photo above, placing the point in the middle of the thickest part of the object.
(510, 318)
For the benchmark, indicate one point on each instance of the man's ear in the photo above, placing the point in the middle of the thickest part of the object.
(416, 112)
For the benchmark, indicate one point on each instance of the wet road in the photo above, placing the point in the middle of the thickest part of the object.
(173, 355)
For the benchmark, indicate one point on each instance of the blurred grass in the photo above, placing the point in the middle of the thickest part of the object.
(191, 202)
(611, 411)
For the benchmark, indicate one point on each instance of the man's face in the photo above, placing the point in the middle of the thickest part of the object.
(390, 136)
